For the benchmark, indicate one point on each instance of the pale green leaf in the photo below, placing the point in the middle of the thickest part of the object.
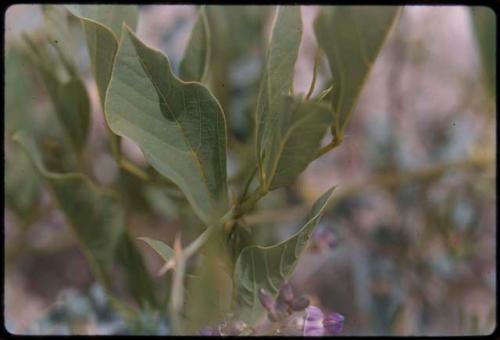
(484, 21)
(179, 125)
(160, 248)
(276, 81)
(351, 37)
(102, 25)
(196, 59)
(296, 137)
(97, 219)
(267, 267)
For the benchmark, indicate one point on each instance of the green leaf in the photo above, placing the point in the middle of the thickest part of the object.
(267, 267)
(160, 247)
(276, 81)
(351, 37)
(294, 140)
(179, 126)
(97, 219)
(484, 21)
(67, 93)
(102, 25)
(196, 59)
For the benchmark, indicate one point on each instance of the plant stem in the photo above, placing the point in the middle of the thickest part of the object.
(133, 169)
(336, 142)
(315, 73)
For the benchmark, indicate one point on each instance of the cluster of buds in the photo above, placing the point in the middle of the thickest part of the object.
(284, 305)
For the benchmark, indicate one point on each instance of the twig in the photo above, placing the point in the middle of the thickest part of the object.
(315, 73)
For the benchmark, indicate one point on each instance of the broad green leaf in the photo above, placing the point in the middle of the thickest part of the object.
(195, 62)
(179, 125)
(484, 21)
(295, 139)
(67, 92)
(351, 37)
(276, 81)
(102, 25)
(159, 247)
(267, 267)
(97, 219)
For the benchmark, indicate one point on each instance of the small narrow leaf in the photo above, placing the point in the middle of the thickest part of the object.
(276, 81)
(102, 25)
(196, 59)
(267, 267)
(179, 125)
(351, 37)
(159, 247)
(484, 21)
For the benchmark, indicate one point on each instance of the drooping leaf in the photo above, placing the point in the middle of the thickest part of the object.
(97, 219)
(196, 59)
(484, 21)
(351, 37)
(102, 25)
(267, 267)
(160, 248)
(179, 125)
(276, 81)
(295, 139)
(66, 92)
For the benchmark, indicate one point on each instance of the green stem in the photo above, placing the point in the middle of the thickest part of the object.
(336, 142)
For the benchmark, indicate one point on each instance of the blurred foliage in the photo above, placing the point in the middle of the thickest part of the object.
(415, 243)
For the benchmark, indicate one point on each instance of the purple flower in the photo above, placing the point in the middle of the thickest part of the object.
(316, 324)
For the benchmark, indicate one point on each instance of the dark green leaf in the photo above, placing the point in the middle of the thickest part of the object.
(67, 93)
(295, 139)
(276, 82)
(351, 37)
(179, 126)
(195, 63)
(267, 267)
(484, 21)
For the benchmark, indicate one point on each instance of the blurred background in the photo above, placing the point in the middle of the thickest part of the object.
(413, 217)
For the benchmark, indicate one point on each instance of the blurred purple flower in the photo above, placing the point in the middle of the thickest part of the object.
(316, 324)
(323, 239)
(212, 331)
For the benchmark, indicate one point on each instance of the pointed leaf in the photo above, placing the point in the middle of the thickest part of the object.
(351, 37)
(97, 219)
(484, 21)
(179, 126)
(276, 81)
(102, 25)
(194, 64)
(267, 267)
(296, 137)
(160, 247)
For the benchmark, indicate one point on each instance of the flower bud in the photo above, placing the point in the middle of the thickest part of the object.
(266, 299)
(299, 303)
(285, 293)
